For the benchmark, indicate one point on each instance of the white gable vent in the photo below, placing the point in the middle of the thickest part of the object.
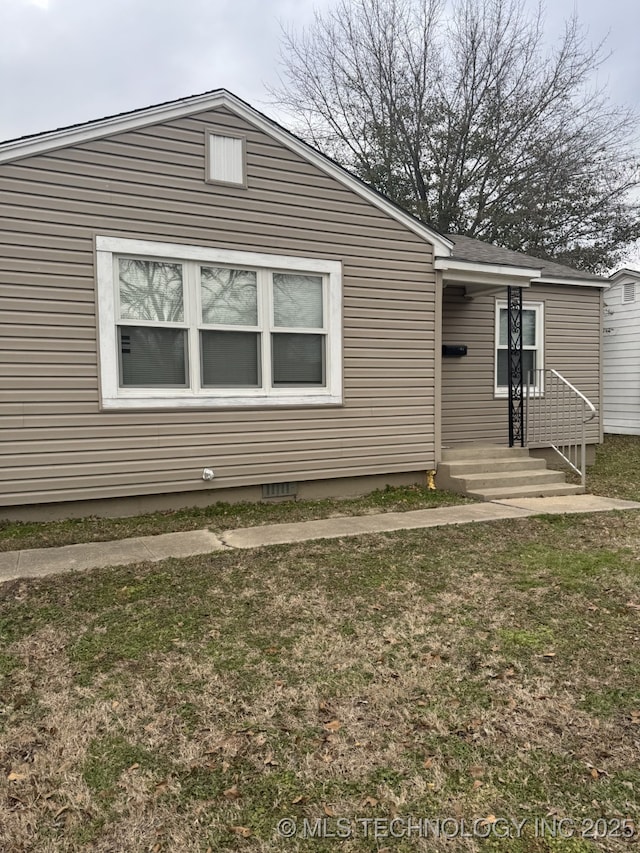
(629, 292)
(225, 159)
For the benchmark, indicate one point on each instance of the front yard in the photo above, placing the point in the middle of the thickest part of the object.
(488, 674)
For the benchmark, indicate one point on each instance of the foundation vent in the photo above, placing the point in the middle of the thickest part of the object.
(279, 490)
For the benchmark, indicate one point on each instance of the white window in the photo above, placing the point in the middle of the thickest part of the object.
(191, 326)
(532, 345)
(225, 160)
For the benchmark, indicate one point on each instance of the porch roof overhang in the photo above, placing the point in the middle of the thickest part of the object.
(479, 277)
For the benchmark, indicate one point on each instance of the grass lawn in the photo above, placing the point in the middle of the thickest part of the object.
(489, 672)
(617, 469)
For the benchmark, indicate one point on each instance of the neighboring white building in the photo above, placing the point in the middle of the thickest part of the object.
(621, 353)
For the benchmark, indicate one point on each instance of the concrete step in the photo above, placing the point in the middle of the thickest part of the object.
(494, 472)
(488, 466)
(518, 479)
(481, 452)
(541, 491)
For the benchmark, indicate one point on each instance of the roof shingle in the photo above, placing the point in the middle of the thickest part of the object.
(477, 251)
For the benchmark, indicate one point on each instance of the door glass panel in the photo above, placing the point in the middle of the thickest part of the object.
(528, 327)
(528, 363)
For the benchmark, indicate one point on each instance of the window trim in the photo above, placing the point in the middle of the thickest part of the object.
(501, 392)
(112, 396)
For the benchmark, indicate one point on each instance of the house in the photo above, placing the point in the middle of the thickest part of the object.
(199, 306)
(620, 348)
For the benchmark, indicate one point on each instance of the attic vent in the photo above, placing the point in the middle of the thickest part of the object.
(225, 159)
(629, 292)
(279, 490)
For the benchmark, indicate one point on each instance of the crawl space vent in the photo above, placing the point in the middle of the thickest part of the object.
(279, 490)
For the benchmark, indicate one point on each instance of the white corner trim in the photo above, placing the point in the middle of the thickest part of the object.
(100, 128)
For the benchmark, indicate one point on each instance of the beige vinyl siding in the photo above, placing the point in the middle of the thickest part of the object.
(470, 410)
(56, 444)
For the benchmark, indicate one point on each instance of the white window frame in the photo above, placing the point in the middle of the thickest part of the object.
(112, 396)
(502, 391)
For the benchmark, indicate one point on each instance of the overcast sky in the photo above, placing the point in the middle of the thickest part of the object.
(66, 61)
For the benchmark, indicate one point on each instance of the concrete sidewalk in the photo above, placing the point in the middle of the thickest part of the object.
(45, 561)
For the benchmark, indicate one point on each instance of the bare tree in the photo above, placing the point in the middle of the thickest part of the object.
(469, 122)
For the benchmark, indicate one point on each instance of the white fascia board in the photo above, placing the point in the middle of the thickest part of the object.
(576, 282)
(478, 273)
(45, 142)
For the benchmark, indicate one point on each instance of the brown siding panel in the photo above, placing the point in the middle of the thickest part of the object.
(56, 444)
(470, 412)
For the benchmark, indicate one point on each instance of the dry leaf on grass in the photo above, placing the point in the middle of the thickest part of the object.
(329, 811)
(242, 831)
(333, 726)
(596, 772)
(232, 793)
(16, 777)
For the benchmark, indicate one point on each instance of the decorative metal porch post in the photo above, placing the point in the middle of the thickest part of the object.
(514, 362)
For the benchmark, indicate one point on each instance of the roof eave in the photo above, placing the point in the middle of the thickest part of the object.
(98, 129)
(473, 272)
(625, 272)
(576, 282)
